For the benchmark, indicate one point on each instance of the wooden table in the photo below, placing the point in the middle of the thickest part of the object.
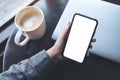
(93, 68)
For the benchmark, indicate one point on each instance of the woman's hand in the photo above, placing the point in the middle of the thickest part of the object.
(56, 51)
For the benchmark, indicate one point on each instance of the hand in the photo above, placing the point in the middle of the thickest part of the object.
(93, 40)
(56, 50)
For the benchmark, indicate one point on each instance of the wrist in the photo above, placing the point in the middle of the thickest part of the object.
(53, 54)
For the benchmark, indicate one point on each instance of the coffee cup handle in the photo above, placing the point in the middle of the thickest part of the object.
(18, 37)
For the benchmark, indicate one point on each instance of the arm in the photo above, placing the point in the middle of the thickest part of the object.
(36, 67)
(39, 65)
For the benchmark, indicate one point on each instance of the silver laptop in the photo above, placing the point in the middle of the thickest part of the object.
(108, 30)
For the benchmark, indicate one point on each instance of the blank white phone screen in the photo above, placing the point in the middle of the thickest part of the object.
(79, 38)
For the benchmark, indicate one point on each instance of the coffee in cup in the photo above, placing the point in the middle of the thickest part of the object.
(30, 22)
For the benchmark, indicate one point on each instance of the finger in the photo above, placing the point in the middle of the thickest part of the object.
(62, 38)
(94, 40)
(66, 31)
(90, 46)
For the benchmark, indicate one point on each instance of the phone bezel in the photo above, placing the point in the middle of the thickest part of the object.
(92, 34)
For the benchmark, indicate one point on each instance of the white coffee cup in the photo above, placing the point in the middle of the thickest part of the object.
(30, 22)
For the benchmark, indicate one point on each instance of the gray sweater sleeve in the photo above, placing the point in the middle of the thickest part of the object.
(38, 66)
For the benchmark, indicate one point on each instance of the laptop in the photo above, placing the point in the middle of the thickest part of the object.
(108, 29)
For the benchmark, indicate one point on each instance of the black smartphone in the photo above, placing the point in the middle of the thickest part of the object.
(80, 36)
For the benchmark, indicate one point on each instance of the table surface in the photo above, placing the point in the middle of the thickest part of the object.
(7, 13)
(93, 68)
